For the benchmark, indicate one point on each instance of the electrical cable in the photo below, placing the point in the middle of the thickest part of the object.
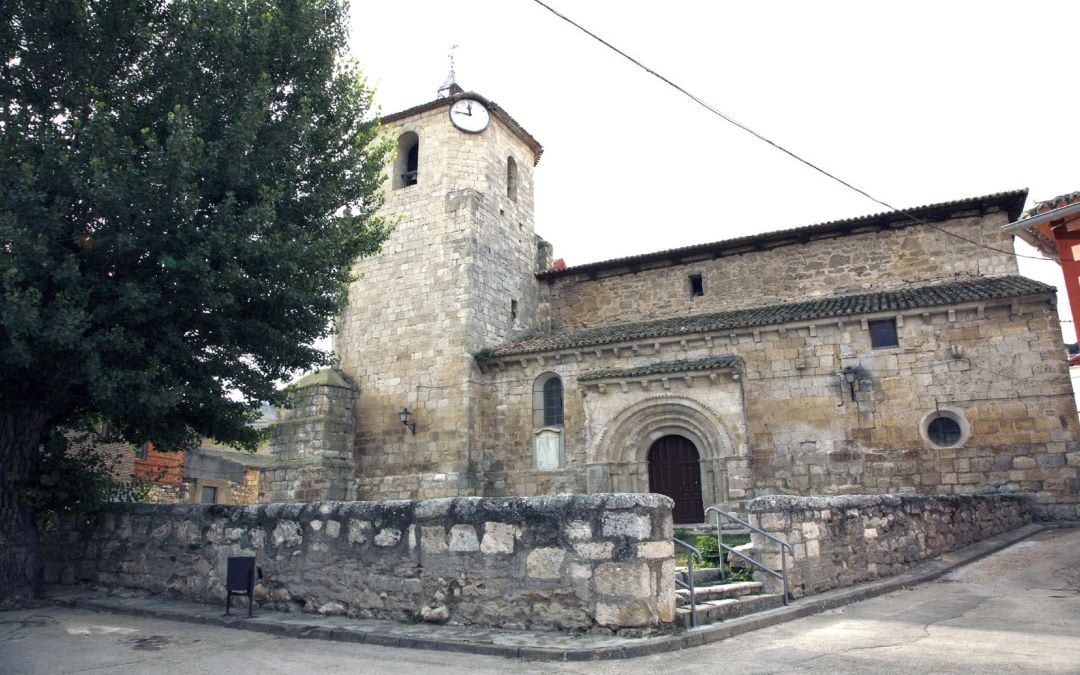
(774, 144)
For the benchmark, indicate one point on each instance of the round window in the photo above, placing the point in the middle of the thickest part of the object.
(943, 431)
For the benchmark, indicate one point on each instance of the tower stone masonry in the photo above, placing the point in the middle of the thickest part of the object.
(456, 275)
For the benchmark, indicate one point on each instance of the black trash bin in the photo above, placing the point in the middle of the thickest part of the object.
(240, 580)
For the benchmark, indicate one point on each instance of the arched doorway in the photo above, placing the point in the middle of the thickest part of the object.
(675, 471)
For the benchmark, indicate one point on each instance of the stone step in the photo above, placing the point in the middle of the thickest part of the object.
(715, 611)
(718, 591)
(702, 575)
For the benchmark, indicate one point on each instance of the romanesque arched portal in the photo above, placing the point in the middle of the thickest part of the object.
(619, 454)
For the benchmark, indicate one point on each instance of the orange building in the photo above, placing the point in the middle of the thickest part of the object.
(1053, 227)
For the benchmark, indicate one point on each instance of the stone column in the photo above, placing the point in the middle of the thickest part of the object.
(312, 444)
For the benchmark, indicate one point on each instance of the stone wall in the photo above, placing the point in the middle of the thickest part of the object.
(840, 541)
(873, 258)
(998, 370)
(784, 421)
(312, 444)
(577, 563)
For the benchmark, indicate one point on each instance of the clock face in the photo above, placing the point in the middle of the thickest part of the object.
(469, 115)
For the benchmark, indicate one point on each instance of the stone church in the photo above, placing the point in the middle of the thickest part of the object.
(880, 354)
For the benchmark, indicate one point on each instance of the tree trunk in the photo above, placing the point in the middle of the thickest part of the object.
(20, 547)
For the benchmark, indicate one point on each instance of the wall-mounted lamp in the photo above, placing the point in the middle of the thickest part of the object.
(406, 419)
(850, 376)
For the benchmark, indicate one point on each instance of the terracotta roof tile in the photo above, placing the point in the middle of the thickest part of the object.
(933, 295)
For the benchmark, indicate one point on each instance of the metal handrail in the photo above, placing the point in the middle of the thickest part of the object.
(691, 554)
(784, 548)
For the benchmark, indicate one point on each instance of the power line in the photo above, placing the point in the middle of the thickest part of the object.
(777, 146)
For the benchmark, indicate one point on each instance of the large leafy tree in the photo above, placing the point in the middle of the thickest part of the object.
(184, 186)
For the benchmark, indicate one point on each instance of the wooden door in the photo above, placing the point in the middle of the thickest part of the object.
(675, 471)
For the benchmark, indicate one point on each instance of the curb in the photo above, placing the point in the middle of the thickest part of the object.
(632, 647)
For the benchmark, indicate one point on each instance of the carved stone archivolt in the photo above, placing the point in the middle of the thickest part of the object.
(618, 459)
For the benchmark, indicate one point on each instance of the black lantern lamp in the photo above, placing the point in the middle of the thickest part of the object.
(849, 376)
(406, 419)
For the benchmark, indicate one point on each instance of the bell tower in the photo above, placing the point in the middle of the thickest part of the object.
(455, 275)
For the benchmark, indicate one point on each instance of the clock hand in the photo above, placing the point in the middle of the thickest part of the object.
(459, 111)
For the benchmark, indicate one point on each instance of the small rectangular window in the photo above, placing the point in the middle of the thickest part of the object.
(883, 333)
(697, 287)
(513, 310)
(209, 495)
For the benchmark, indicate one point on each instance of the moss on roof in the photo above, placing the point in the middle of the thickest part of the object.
(328, 377)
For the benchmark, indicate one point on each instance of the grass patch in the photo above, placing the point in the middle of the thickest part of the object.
(710, 552)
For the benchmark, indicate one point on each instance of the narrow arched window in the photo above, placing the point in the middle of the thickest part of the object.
(548, 401)
(511, 179)
(407, 163)
(553, 408)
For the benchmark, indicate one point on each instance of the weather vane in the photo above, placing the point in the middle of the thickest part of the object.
(450, 86)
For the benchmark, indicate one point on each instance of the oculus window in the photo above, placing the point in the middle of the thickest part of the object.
(945, 428)
(943, 431)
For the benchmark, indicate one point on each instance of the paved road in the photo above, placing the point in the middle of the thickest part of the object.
(1015, 611)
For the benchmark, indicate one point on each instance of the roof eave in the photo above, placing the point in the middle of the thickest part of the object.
(496, 110)
(1037, 229)
(1010, 202)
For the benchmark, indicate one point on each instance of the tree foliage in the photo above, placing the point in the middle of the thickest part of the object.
(184, 187)
(173, 179)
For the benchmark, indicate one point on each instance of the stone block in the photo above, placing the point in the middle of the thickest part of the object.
(633, 579)
(287, 533)
(545, 563)
(433, 539)
(387, 536)
(810, 530)
(1054, 460)
(463, 539)
(580, 572)
(594, 550)
(629, 525)
(1024, 463)
(628, 614)
(656, 549)
(498, 538)
(359, 531)
(576, 530)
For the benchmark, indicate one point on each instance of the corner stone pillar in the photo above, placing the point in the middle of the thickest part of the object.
(311, 444)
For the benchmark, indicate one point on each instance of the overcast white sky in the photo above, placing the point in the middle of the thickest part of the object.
(914, 102)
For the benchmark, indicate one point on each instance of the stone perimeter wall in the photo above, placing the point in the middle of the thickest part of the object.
(602, 563)
(844, 540)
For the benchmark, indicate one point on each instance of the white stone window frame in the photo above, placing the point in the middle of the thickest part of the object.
(954, 414)
(541, 429)
(540, 452)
